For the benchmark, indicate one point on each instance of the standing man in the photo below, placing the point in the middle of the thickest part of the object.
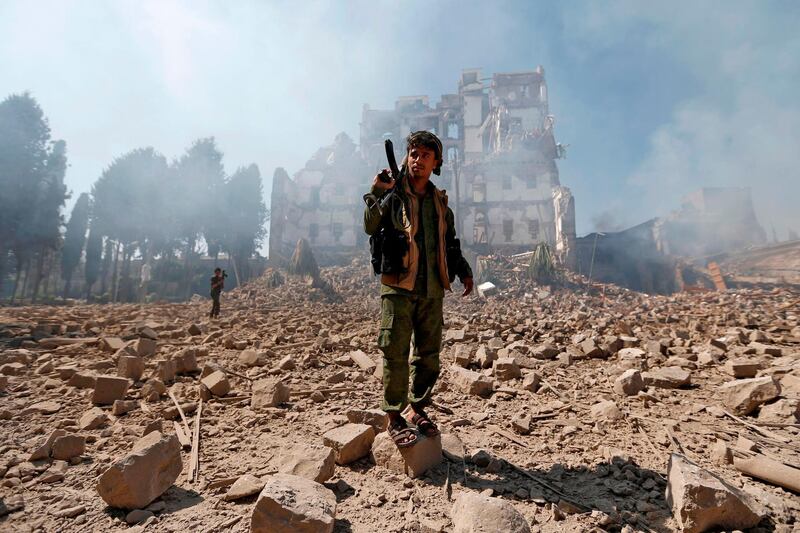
(217, 284)
(421, 265)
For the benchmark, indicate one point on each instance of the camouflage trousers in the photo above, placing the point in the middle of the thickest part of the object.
(401, 318)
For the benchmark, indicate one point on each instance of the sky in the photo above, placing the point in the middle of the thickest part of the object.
(655, 99)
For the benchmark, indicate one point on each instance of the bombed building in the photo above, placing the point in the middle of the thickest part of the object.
(499, 170)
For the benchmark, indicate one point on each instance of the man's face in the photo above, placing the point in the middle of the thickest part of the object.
(217, 273)
(421, 161)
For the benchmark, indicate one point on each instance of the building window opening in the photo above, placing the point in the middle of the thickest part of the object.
(533, 229)
(508, 229)
(479, 229)
(452, 130)
(478, 192)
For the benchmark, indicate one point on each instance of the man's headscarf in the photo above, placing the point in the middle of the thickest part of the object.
(428, 140)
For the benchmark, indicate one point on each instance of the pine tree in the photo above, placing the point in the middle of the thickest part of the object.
(74, 240)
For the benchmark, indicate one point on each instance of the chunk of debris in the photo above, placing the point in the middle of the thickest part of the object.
(669, 377)
(412, 461)
(506, 368)
(246, 485)
(363, 361)
(43, 451)
(68, 446)
(130, 366)
(108, 389)
(269, 392)
(472, 513)
(630, 383)
(351, 442)
(316, 463)
(293, 503)
(486, 288)
(373, 417)
(151, 467)
(701, 501)
(217, 382)
(470, 382)
(743, 396)
(742, 368)
(93, 418)
(607, 410)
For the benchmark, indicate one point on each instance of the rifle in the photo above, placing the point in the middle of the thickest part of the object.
(397, 174)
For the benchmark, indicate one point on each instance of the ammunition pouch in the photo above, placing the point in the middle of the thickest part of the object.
(387, 249)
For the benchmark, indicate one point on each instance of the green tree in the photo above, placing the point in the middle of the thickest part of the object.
(244, 216)
(24, 150)
(94, 253)
(129, 206)
(74, 240)
(197, 185)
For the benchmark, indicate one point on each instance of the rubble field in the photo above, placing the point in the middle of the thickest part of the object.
(565, 408)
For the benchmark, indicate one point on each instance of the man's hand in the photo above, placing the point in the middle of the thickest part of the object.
(379, 184)
(468, 284)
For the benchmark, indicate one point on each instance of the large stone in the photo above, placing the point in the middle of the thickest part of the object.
(742, 368)
(632, 358)
(351, 442)
(363, 361)
(630, 383)
(743, 396)
(545, 352)
(485, 356)
(479, 513)
(452, 447)
(317, 463)
(590, 349)
(93, 418)
(153, 390)
(293, 504)
(68, 446)
(82, 380)
(702, 501)
(245, 486)
(607, 410)
(412, 461)
(144, 347)
(43, 451)
(269, 393)
(111, 344)
(186, 360)
(669, 377)
(470, 382)
(217, 382)
(107, 389)
(506, 368)
(120, 407)
(144, 474)
(251, 358)
(783, 411)
(374, 417)
(130, 366)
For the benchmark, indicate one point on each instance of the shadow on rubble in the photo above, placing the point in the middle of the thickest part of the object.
(175, 499)
(625, 492)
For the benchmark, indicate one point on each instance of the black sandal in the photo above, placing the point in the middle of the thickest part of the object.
(402, 435)
(424, 424)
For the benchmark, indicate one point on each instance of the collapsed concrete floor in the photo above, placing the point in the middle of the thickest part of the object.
(559, 434)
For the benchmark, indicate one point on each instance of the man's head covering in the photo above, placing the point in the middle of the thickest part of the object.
(428, 140)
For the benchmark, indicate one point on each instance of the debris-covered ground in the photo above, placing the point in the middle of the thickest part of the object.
(564, 405)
